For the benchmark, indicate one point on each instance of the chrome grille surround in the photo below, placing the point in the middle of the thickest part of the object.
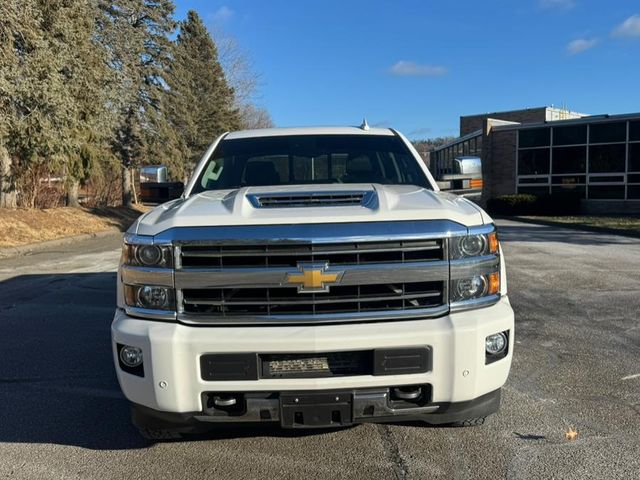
(411, 288)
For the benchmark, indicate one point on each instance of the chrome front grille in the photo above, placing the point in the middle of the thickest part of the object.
(269, 274)
(289, 255)
(238, 302)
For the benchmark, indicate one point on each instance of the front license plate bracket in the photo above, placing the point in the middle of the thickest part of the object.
(316, 409)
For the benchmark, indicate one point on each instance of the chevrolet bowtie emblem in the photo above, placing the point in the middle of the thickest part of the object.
(314, 277)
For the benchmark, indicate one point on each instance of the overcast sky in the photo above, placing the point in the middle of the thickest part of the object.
(418, 65)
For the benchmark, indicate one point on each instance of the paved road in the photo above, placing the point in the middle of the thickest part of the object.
(577, 363)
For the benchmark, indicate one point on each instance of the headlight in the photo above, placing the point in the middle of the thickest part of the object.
(150, 297)
(149, 255)
(160, 256)
(473, 245)
(473, 287)
(476, 287)
(475, 270)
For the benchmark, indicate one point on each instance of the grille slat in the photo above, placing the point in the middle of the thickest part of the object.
(205, 301)
(208, 252)
(280, 255)
(340, 299)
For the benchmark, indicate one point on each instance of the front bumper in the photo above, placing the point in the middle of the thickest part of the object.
(172, 381)
(434, 414)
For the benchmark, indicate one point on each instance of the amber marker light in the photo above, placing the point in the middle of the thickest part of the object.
(493, 242)
(494, 283)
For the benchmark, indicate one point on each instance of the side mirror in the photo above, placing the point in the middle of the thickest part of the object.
(154, 187)
(160, 192)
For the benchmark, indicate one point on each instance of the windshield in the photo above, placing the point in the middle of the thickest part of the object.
(310, 159)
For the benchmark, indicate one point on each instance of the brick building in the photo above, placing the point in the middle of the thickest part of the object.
(548, 150)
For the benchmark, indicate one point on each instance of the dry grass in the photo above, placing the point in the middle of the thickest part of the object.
(25, 226)
(571, 434)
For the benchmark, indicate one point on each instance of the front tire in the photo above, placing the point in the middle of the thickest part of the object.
(156, 435)
(155, 425)
(469, 422)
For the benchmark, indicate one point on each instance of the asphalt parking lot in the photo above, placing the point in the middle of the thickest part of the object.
(577, 364)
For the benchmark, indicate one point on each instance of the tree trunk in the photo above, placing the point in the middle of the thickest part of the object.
(72, 194)
(127, 195)
(8, 197)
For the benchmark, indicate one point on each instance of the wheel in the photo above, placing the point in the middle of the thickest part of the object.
(162, 434)
(469, 422)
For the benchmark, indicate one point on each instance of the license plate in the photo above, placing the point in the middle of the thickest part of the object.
(317, 409)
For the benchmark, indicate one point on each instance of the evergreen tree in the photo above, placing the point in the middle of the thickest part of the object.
(52, 92)
(30, 94)
(136, 33)
(201, 102)
(69, 26)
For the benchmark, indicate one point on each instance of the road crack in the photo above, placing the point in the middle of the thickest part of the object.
(392, 451)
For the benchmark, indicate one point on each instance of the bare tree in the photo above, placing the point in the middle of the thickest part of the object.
(252, 116)
(243, 78)
(237, 65)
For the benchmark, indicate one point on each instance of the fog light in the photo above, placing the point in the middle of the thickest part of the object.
(496, 343)
(131, 356)
(153, 297)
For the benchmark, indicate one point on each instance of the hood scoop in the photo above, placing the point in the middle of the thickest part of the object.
(340, 198)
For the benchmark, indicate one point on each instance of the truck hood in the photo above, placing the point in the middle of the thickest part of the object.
(235, 207)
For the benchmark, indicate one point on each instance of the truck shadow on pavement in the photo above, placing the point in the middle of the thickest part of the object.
(57, 380)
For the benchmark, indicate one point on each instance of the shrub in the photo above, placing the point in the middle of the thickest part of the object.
(567, 203)
(520, 204)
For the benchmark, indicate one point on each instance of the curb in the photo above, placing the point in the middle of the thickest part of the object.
(21, 250)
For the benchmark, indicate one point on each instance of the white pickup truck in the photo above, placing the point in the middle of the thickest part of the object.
(311, 277)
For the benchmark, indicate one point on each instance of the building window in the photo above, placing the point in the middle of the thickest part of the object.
(599, 160)
(569, 179)
(633, 192)
(533, 162)
(572, 135)
(634, 131)
(534, 137)
(606, 178)
(569, 160)
(634, 157)
(534, 180)
(608, 132)
(606, 192)
(607, 158)
(579, 190)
